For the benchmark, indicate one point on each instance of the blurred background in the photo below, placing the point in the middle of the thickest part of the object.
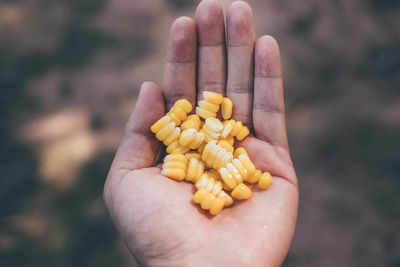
(69, 76)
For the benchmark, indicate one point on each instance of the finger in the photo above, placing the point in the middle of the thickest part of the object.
(211, 53)
(138, 147)
(241, 39)
(269, 107)
(180, 68)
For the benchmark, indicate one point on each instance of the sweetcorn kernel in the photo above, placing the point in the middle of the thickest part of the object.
(173, 136)
(208, 201)
(264, 181)
(226, 108)
(205, 113)
(254, 178)
(200, 195)
(229, 139)
(241, 192)
(192, 121)
(176, 148)
(194, 170)
(240, 151)
(245, 160)
(228, 200)
(213, 97)
(174, 166)
(208, 106)
(225, 144)
(236, 129)
(191, 138)
(166, 131)
(161, 123)
(217, 206)
(243, 133)
(227, 177)
(179, 111)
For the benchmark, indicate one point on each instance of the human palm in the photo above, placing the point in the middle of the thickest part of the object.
(155, 215)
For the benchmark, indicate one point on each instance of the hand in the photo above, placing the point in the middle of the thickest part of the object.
(155, 215)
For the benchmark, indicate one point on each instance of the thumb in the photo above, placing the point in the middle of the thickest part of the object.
(138, 147)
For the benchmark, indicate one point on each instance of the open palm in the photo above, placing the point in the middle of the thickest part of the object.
(154, 214)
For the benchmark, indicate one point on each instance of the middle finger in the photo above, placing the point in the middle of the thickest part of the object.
(241, 40)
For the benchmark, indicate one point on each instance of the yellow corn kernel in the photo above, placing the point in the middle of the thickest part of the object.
(208, 135)
(205, 113)
(227, 198)
(179, 111)
(191, 138)
(202, 182)
(193, 155)
(229, 139)
(265, 181)
(176, 174)
(243, 133)
(228, 127)
(246, 162)
(255, 177)
(208, 201)
(225, 144)
(236, 129)
(176, 158)
(214, 124)
(174, 118)
(216, 188)
(240, 151)
(215, 155)
(200, 195)
(194, 170)
(208, 106)
(173, 136)
(241, 192)
(207, 149)
(166, 131)
(209, 184)
(212, 97)
(217, 206)
(228, 157)
(174, 166)
(184, 104)
(176, 148)
(234, 172)
(214, 160)
(226, 108)
(211, 202)
(192, 121)
(227, 177)
(161, 123)
(224, 159)
(241, 169)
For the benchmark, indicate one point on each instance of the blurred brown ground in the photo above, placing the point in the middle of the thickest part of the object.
(69, 77)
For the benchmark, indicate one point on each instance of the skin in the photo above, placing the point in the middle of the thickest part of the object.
(155, 215)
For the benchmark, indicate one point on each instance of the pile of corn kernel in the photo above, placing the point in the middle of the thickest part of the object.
(201, 150)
